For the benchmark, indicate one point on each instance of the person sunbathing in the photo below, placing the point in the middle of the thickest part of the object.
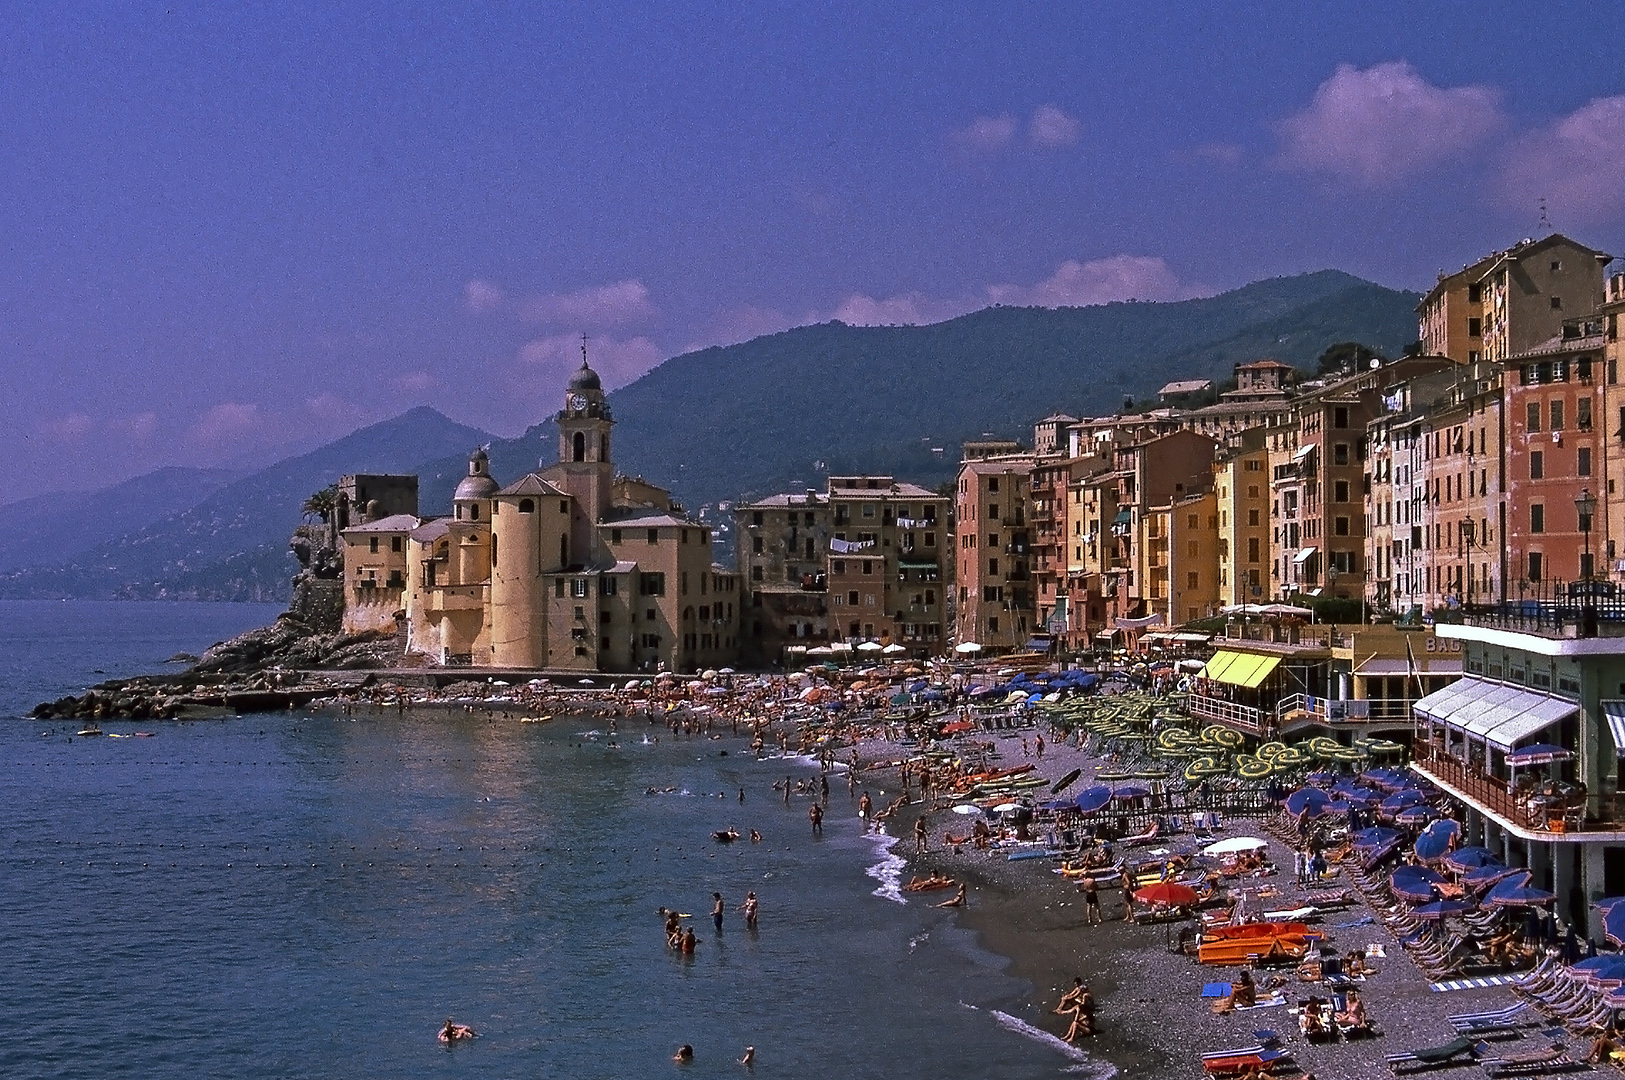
(1244, 992)
(935, 881)
(1353, 1014)
(1606, 1046)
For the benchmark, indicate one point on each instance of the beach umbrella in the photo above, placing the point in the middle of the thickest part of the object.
(1470, 858)
(894, 649)
(1171, 893)
(1434, 843)
(869, 647)
(1440, 909)
(967, 808)
(1235, 845)
(1355, 795)
(1374, 837)
(1420, 814)
(1515, 891)
(1303, 798)
(1486, 875)
(1414, 884)
(1402, 800)
(1613, 924)
(1064, 782)
(1130, 791)
(965, 648)
(1094, 798)
(1005, 808)
(1538, 754)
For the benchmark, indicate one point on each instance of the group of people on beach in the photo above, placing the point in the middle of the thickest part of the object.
(1078, 1004)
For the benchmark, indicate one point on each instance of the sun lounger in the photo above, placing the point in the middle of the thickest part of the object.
(1535, 1063)
(1456, 1052)
(1485, 1024)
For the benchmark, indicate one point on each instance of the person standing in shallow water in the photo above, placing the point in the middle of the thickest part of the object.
(866, 809)
(716, 910)
(749, 908)
(815, 814)
(920, 834)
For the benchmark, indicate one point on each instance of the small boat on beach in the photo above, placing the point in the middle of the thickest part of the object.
(93, 729)
(1228, 946)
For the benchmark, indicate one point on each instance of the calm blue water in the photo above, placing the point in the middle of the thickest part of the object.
(289, 895)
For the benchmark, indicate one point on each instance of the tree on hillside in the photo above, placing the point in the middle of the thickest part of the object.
(1346, 356)
(322, 504)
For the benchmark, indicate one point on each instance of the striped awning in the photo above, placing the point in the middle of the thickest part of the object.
(1613, 714)
(1499, 714)
(1239, 668)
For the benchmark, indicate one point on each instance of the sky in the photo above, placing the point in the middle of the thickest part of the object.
(235, 232)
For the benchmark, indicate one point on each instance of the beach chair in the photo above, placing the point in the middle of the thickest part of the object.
(1552, 1059)
(1501, 1023)
(1453, 1054)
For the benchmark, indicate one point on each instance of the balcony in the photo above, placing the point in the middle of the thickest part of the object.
(1243, 718)
(1553, 609)
(1526, 811)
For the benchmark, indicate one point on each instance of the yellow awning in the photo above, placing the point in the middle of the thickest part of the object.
(1240, 669)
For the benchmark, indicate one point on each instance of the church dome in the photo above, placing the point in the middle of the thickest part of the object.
(475, 487)
(585, 378)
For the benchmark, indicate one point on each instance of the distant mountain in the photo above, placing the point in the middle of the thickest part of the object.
(49, 530)
(233, 544)
(776, 413)
(781, 412)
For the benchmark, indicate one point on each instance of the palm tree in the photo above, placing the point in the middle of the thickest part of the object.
(322, 504)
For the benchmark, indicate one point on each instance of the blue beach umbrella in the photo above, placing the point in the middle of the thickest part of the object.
(1304, 798)
(1374, 837)
(1466, 859)
(1434, 843)
(1515, 891)
(1486, 875)
(1441, 909)
(1402, 800)
(1414, 884)
(1420, 814)
(1094, 798)
(1131, 791)
(1613, 924)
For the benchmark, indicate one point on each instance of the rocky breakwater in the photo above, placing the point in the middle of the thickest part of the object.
(269, 667)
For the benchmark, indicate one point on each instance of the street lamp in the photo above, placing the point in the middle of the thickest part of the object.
(1468, 537)
(1586, 504)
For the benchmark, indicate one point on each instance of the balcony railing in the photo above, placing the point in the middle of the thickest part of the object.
(1243, 718)
(1490, 792)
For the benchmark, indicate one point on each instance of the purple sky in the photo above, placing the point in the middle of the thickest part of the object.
(230, 235)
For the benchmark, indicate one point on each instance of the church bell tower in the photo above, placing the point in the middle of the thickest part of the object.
(584, 433)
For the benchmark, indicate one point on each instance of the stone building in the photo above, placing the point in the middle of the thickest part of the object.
(996, 607)
(570, 567)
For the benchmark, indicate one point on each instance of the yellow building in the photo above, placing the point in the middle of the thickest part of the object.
(568, 568)
(1242, 492)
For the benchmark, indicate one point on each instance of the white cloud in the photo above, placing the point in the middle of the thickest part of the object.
(617, 361)
(615, 304)
(746, 322)
(986, 134)
(137, 429)
(1074, 284)
(1099, 281)
(1377, 125)
(330, 408)
(1576, 164)
(483, 297)
(70, 427)
(415, 382)
(1050, 127)
(225, 425)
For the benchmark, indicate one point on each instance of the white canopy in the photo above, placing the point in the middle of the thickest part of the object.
(1499, 715)
(967, 647)
(1235, 845)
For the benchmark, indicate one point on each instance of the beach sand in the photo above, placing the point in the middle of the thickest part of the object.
(1152, 1018)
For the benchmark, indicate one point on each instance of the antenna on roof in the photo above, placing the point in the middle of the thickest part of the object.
(1545, 221)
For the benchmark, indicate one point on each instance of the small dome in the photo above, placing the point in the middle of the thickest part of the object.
(475, 487)
(585, 378)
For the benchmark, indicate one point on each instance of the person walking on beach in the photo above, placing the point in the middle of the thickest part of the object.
(786, 791)
(920, 835)
(1091, 901)
(823, 786)
(815, 814)
(717, 907)
(866, 810)
(1038, 744)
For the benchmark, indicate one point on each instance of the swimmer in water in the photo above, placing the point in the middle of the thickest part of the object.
(684, 1055)
(958, 898)
(750, 1057)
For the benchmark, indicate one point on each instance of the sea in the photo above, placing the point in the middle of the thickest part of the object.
(293, 894)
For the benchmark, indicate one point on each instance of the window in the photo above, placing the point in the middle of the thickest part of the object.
(1340, 491)
(1534, 565)
(993, 567)
(990, 594)
(564, 506)
(1340, 453)
(1340, 417)
(993, 483)
(1193, 548)
(578, 589)
(756, 545)
(1192, 521)
(558, 588)
(372, 544)
(756, 518)
(1475, 327)
(1557, 415)
(868, 566)
(1582, 414)
(1537, 519)
(1475, 294)
(1532, 422)
(606, 587)
(1252, 549)
(839, 566)
(395, 543)
(1557, 303)
(1191, 579)
(1582, 461)
(654, 536)
(993, 540)
(652, 584)
(1537, 465)
(615, 536)
(1252, 518)
(993, 511)
(1340, 526)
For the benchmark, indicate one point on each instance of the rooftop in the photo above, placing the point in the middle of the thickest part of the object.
(394, 523)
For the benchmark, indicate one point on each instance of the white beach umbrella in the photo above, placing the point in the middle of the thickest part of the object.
(967, 647)
(1005, 808)
(893, 649)
(869, 646)
(967, 808)
(1235, 845)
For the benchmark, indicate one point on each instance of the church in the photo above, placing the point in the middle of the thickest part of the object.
(570, 567)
